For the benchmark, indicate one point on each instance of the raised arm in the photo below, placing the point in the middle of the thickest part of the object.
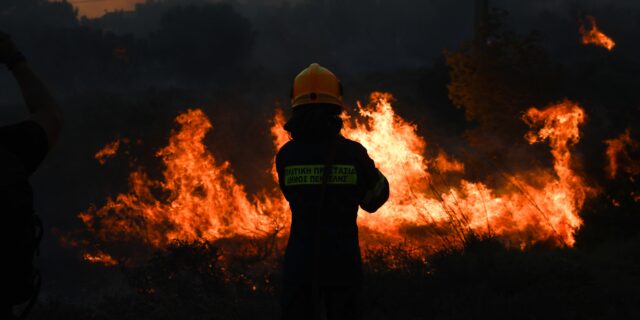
(39, 101)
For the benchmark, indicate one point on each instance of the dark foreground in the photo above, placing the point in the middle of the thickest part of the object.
(482, 281)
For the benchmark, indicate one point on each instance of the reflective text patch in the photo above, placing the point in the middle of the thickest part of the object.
(313, 174)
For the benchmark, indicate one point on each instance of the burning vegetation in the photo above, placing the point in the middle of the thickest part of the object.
(197, 199)
(109, 151)
(513, 206)
(594, 36)
(100, 257)
(430, 208)
(521, 213)
(619, 155)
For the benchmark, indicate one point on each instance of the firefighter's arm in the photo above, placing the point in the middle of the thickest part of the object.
(376, 187)
(280, 171)
(42, 106)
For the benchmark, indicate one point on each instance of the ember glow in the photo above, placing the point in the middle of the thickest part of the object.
(109, 151)
(618, 154)
(594, 36)
(198, 198)
(100, 258)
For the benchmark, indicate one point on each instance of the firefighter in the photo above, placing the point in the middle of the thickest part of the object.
(325, 178)
(23, 146)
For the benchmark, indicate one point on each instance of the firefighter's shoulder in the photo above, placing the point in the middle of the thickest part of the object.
(286, 147)
(289, 150)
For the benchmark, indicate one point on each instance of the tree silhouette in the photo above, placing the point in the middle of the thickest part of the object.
(201, 40)
(496, 82)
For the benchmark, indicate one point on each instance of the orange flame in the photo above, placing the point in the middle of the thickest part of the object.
(595, 36)
(618, 155)
(109, 151)
(199, 199)
(101, 258)
(445, 164)
(521, 215)
(280, 137)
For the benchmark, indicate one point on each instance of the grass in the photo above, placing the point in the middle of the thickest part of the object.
(482, 280)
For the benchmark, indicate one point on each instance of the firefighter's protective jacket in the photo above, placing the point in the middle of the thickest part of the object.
(324, 233)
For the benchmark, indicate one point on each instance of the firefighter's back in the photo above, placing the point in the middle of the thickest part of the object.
(326, 178)
(328, 212)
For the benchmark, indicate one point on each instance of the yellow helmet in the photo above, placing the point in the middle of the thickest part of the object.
(316, 85)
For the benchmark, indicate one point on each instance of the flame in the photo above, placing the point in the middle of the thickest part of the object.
(595, 36)
(100, 258)
(618, 155)
(445, 164)
(109, 151)
(280, 137)
(522, 214)
(560, 125)
(198, 198)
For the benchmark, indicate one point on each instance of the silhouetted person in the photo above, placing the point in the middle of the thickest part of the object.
(23, 146)
(323, 267)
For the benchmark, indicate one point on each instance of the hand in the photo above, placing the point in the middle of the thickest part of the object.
(8, 50)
